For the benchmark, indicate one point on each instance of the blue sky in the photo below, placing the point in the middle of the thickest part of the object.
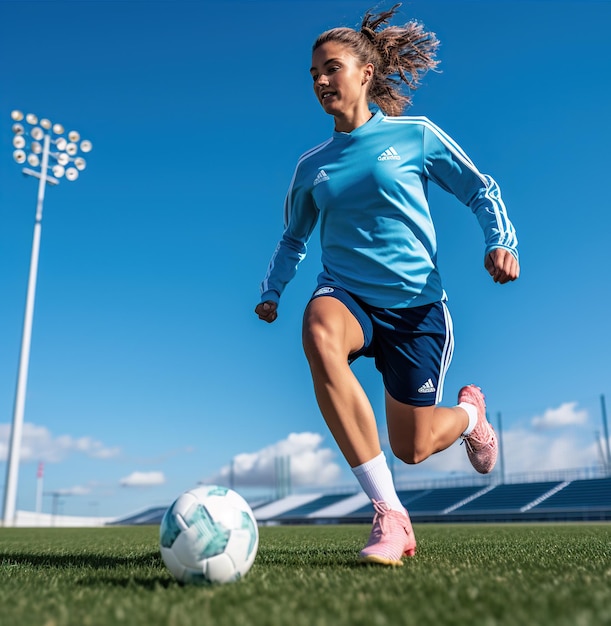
(149, 370)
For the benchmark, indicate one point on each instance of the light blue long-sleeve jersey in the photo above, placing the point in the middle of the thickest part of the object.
(369, 189)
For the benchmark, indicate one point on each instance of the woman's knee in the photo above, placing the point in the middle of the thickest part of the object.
(410, 452)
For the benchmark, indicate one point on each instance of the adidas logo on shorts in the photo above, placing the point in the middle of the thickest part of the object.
(428, 387)
(322, 291)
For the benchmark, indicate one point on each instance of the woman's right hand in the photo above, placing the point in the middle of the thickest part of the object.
(267, 311)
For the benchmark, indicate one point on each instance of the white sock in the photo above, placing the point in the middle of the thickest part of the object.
(376, 480)
(472, 413)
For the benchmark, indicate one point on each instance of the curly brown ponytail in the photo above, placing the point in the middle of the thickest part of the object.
(399, 54)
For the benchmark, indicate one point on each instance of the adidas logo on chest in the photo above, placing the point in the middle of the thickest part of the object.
(321, 177)
(390, 154)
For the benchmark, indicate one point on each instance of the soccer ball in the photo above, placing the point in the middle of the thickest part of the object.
(209, 535)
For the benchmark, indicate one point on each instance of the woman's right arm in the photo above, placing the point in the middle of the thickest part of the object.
(300, 217)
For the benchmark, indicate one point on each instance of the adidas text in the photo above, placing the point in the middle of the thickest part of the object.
(390, 154)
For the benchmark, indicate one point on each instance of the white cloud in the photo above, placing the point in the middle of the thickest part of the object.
(565, 415)
(39, 444)
(143, 479)
(310, 464)
(535, 451)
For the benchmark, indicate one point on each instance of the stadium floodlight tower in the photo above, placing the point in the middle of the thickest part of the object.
(51, 156)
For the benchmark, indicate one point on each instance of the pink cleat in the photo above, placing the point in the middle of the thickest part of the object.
(482, 447)
(392, 537)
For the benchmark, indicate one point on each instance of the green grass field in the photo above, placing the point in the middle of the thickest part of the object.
(462, 574)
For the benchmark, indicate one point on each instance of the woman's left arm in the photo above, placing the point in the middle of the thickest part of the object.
(449, 166)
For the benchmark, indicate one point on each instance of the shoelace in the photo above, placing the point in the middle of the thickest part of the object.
(379, 519)
(478, 441)
(473, 438)
(382, 519)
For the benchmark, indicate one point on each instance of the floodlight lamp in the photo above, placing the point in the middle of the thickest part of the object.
(16, 116)
(58, 129)
(35, 147)
(19, 156)
(45, 123)
(86, 145)
(33, 160)
(73, 136)
(30, 118)
(18, 129)
(71, 149)
(63, 159)
(71, 173)
(80, 163)
(37, 133)
(61, 143)
(19, 141)
(58, 171)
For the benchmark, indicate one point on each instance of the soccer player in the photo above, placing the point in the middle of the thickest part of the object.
(380, 293)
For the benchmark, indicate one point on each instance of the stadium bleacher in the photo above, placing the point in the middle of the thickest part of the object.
(310, 507)
(509, 497)
(549, 500)
(583, 495)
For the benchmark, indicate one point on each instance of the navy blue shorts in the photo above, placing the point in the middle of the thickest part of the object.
(412, 347)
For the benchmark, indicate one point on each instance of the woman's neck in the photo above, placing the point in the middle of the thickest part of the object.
(347, 124)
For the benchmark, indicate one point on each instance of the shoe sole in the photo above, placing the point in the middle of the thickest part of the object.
(380, 560)
(374, 559)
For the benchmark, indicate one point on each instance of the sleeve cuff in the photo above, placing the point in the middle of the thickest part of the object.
(272, 295)
(513, 251)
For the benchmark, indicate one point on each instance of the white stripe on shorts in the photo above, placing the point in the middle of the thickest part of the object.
(446, 355)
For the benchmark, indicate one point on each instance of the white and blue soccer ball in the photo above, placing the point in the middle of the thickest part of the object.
(209, 535)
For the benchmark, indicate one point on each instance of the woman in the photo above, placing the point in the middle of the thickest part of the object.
(380, 291)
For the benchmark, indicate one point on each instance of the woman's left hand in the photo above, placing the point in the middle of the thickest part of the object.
(502, 265)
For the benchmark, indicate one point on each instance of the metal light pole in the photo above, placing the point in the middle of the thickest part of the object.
(501, 447)
(603, 407)
(56, 153)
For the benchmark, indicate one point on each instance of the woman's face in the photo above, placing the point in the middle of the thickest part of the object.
(340, 81)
